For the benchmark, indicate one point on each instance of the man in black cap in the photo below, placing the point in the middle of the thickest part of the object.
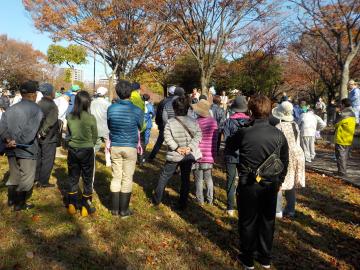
(48, 136)
(19, 127)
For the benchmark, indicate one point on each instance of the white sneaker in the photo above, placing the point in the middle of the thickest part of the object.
(230, 213)
(108, 164)
(279, 214)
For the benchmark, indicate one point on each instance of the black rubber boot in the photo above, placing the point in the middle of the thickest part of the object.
(87, 208)
(20, 202)
(11, 195)
(72, 203)
(115, 198)
(124, 205)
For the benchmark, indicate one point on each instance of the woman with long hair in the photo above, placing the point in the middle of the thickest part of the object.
(81, 158)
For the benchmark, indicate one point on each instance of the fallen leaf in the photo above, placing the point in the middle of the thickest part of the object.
(35, 218)
(29, 255)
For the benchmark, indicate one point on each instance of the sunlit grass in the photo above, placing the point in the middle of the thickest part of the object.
(324, 235)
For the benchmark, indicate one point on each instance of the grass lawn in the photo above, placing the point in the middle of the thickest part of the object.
(324, 235)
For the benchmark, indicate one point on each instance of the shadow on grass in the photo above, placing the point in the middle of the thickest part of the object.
(227, 239)
(339, 210)
(70, 249)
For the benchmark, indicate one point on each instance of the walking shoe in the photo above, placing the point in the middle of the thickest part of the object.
(279, 214)
(20, 202)
(11, 195)
(154, 200)
(125, 212)
(87, 208)
(246, 263)
(72, 202)
(230, 213)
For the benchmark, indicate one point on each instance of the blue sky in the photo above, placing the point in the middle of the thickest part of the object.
(17, 24)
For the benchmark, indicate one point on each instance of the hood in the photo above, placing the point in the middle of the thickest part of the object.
(239, 115)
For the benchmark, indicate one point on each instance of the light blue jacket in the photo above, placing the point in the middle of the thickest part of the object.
(354, 96)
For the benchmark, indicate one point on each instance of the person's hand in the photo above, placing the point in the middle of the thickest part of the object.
(181, 151)
(187, 150)
(10, 143)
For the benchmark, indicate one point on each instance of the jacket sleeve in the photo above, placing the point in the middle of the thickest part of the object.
(49, 122)
(140, 121)
(168, 138)
(226, 129)
(197, 137)
(164, 115)
(94, 129)
(284, 157)
(3, 128)
(320, 123)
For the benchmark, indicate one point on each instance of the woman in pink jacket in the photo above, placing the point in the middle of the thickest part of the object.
(203, 167)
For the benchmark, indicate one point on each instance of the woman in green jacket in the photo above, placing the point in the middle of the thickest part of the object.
(81, 158)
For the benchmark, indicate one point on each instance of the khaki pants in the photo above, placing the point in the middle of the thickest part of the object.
(22, 173)
(123, 161)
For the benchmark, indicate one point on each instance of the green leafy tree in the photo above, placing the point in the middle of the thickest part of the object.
(185, 73)
(255, 72)
(71, 55)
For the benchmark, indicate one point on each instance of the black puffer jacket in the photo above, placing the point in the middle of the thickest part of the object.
(255, 145)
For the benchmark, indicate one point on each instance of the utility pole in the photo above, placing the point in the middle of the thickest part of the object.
(94, 73)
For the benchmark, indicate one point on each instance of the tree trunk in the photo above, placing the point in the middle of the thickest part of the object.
(204, 80)
(344, 80)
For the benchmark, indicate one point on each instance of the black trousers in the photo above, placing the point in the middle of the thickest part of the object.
(81, 162)
(257, 208)
(45, 162)
(158, 144)
(167, 173)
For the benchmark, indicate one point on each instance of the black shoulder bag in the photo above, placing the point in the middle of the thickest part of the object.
(271, 167)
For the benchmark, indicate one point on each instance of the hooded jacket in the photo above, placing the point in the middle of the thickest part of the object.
(345, 127)
(310, 123)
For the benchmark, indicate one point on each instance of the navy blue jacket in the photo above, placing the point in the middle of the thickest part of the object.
(124, 122)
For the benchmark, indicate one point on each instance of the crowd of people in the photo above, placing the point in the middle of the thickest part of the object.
(266, 147)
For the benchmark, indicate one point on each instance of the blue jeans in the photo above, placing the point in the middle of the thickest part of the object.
(165, 176)
(202, 175)
(231, 185)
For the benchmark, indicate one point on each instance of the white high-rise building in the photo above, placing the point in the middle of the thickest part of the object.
(77, 74)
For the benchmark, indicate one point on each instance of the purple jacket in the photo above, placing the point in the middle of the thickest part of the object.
(209, 130)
